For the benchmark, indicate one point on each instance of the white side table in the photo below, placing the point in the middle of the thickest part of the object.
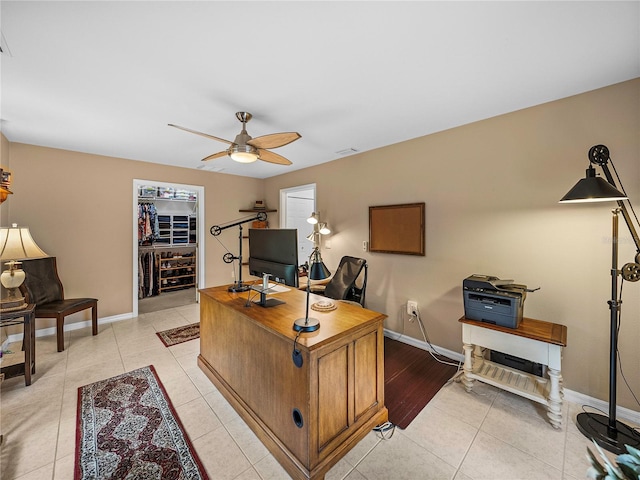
(534, 340)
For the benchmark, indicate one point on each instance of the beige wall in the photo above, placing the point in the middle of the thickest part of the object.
(79, 208)
(491, 190)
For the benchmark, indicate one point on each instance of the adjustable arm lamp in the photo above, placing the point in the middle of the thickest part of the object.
(607, 431)
(229, 257)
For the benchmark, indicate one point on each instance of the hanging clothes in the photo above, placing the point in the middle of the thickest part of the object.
(148, 274)
(148, 227)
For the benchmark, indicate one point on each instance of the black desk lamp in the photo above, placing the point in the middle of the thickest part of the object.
(607, 431)
(317, 271)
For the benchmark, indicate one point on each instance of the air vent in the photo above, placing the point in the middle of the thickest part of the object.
(347, 151)
(210, 168)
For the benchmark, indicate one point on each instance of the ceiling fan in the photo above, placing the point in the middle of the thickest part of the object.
(245, 149)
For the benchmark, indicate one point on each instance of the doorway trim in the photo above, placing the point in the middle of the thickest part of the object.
(200, 253)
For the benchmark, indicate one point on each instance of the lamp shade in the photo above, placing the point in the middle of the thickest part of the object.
(317, 269)
(323, 228)
(16, 243)
(313, 219)
(593, 189)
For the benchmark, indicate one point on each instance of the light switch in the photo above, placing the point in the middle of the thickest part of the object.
(365, 246)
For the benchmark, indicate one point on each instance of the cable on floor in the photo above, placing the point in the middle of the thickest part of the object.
(383, 430)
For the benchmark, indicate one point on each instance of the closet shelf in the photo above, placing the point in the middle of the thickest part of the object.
(155, 199)
(166, 246)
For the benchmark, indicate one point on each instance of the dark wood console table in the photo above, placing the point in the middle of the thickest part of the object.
(25, 317)
(310, 416)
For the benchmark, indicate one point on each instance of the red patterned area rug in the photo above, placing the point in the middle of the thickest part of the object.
(177, 335)
(127, 428)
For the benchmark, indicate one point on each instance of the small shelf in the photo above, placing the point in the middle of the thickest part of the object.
(515, 381)
(258, 210)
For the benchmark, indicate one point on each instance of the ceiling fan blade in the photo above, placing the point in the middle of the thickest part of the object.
(274, 140)
(201, 134)
(271, 157)
(215, 155)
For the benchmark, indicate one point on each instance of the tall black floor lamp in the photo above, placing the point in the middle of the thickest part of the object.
(607, 431)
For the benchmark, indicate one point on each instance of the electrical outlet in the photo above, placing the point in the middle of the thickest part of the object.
(412, 306)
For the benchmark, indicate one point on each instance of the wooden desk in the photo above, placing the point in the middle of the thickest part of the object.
(308, 417)
(533, 340)
(26, 318)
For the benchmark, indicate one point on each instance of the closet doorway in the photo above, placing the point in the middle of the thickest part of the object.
(168, 261)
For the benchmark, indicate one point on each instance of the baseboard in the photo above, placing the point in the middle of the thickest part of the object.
(43, 332)
(602, 405)
(458, 357)
(569, 395)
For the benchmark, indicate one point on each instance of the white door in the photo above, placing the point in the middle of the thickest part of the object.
(296, 205)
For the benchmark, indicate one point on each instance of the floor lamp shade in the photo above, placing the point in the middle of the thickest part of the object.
(592, 189)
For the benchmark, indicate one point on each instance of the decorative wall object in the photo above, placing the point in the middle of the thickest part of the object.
(5, 183)
(397, 229)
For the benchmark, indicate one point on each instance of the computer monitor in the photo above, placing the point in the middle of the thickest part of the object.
(274, 251)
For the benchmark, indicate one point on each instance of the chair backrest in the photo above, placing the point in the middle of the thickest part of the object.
(345, 283)
(41, 283)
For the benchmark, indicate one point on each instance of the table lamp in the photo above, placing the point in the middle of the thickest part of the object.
(608, 432)
(16, 243)
(317, 271)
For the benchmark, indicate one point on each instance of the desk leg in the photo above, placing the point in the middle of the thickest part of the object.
(554, 409)
(33, 344)
(28, 344)
(467, 381)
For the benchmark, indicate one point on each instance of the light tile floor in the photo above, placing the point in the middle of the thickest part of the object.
(488, 434)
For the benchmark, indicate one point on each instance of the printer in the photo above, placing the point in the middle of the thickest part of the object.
(491, 300)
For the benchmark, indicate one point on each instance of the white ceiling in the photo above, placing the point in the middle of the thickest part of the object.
(107, 77)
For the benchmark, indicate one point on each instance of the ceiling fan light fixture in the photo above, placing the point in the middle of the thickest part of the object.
(243, 153)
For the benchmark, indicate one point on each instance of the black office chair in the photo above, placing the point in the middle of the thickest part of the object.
(43, 287)
(349, 282)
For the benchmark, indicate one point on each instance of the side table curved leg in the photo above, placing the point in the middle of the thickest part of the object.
(554, 410)
(467, 381)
